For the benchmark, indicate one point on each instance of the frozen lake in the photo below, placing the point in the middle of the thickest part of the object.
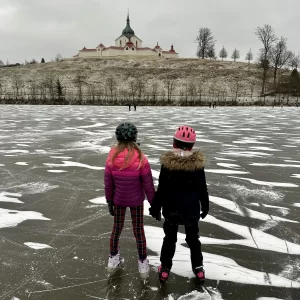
(54, 228)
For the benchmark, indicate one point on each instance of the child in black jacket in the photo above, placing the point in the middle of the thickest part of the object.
(182, 193)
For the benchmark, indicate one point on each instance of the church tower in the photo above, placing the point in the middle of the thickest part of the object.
(128, 36)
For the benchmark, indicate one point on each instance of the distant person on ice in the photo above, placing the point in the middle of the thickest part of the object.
(181, 193)
(127, 179)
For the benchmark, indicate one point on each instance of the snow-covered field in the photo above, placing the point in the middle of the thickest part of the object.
(55, 228)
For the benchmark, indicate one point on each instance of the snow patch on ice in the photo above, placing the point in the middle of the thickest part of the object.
(37, 246)
(266, 183)
(57, 171)
(296, 176)
(98, 200)
(92, 126)
(217, 267)
(274, 165)
(265, 149)
(11, 218)
(227, 165)
(21, 163)
(253, 238)
(35, 187)
(155, 174)
(226, 159)
(74, 164)
(268, 298)
(14, 151)
(234, 207)
(62, 157)
(244, 194)
(225, 171)
(297, 204)
(246, 154)
(10, 197)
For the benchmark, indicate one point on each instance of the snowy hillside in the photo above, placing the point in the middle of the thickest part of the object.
(172, 80)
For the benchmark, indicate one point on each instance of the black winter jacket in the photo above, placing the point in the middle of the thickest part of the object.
(182, 190)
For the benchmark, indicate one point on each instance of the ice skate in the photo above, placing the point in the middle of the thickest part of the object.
(144, 269)
(114, 263)
(163, 273)
(200, 273)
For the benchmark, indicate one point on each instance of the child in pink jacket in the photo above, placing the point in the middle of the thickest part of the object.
(127, 179)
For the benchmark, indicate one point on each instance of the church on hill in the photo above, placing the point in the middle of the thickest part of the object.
(127, 44)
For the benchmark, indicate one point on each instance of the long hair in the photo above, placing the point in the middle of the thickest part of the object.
(131, 146)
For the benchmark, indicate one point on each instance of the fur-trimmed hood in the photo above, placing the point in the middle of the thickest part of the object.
(183, 160)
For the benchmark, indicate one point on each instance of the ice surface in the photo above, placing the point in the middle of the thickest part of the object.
(250, 237)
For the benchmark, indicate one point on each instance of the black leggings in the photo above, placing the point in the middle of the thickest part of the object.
(169, 244)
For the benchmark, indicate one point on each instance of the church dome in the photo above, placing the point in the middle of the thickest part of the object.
(128, 31)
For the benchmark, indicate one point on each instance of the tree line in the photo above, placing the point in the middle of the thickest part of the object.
(273, 56)
(168, 90)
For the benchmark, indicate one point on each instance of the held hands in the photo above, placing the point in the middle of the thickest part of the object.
(203, 214)
(110, 207)
(155, 215)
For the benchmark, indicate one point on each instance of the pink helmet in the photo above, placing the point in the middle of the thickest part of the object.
(185, 134)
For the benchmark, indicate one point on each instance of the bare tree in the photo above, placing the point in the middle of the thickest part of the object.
(42, 87)
(249, 56)
(154, 90)
(252, 86)
(132, 88)
(58, 57)
(140, 85)
(267, 36)
(33, 89)
(235, 54)
(50, 84)
(237, 90)
(1, 63)
(295, 61)
(200, 89)
(223, 53)
(92, 91)
(111, 85)
(17, 84)
(79, 82)
(169, 82)
(280, 56)
(205, 42)
(192, 89)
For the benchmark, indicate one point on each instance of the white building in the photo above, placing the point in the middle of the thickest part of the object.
(128, 44)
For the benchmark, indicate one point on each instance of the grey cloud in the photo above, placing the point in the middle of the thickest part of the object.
(42, 28)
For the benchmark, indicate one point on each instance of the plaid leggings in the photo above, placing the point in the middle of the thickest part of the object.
(137, 218)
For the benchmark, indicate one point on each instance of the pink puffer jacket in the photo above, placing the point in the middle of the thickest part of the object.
(127, 186)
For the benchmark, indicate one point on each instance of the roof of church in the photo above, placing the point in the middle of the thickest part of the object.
(128, 31)
(87, 50)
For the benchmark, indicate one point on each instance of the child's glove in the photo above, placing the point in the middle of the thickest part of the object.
(111, 207)
(154, 214)
(203, 214)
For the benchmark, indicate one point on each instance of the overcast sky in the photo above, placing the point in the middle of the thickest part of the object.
(42, 28)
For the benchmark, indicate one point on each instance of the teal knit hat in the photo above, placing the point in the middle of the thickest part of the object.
(126, 132)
